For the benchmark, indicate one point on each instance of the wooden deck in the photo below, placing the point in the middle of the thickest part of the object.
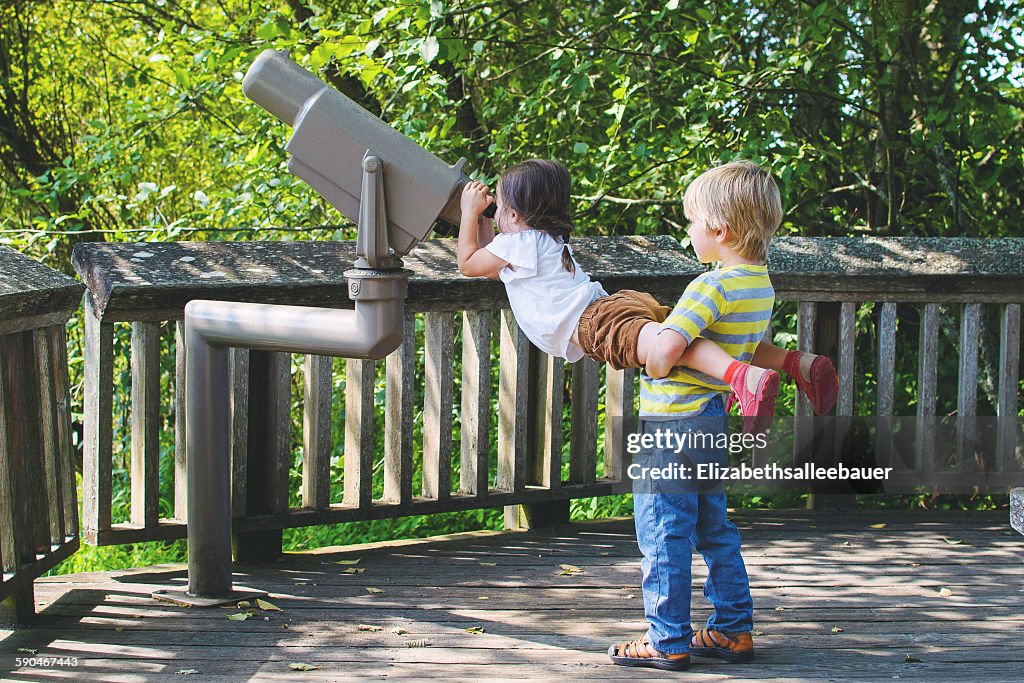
(834, 599)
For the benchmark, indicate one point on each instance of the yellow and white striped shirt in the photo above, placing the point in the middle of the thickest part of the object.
(730, 306)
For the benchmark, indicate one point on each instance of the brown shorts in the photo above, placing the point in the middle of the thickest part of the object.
(610, 327)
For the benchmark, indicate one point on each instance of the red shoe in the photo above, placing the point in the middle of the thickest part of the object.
(757, 407)
(823, 387)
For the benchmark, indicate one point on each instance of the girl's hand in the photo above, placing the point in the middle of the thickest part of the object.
(475, 198)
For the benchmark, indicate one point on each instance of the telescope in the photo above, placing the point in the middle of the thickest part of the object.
(397, 193)
(332, 138)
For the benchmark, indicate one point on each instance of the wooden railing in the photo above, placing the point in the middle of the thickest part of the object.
(147, 286)
(38, 503)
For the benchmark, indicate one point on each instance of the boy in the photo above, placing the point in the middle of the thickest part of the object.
(734, 210)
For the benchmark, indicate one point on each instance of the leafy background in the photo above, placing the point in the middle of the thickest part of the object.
(124, 120)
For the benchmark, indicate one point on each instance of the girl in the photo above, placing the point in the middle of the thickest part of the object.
(566, 314)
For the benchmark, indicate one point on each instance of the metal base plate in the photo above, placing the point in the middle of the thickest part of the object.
(183, 597)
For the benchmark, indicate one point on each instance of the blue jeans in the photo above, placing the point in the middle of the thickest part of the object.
(672, 521)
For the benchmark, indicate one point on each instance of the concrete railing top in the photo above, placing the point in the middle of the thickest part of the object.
(33, 295)
(153, 281)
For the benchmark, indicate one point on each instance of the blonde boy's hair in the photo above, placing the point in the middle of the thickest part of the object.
(742, 196)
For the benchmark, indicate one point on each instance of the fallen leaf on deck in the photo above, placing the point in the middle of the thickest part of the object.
(910, 659)
(369, 627)
(270, 607)
(757, 632)
(877, 526)
(354, 570)
(779, 609)
(355, 561)
(476, 630)
(399, 631)
(186, 672)
(945, 592)
(488, 564)
(241, 616)
(301, 666)
(483, 597)
(630, 596)
(846, 544)
(604, 554)
(953, 541)
(836, 629)
(373, 591)
(569, 570)
(119, 628)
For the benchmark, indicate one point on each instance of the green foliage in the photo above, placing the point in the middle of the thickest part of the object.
(126, 121)
(886, 117)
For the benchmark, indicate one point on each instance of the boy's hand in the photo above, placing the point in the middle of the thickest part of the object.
(475, 198)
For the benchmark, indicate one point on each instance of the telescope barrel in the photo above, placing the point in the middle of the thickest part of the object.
(280, 86)
(332, 134)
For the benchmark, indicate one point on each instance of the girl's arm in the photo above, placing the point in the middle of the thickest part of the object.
(475, 233)
(664, 355)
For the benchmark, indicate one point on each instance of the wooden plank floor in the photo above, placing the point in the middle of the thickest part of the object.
(834, 600)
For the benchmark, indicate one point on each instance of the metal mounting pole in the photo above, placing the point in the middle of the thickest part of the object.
(372, 330)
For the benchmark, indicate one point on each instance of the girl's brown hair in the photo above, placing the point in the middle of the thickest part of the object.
(539, 191)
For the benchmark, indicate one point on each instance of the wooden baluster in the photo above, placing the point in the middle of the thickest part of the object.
(439, 370)
(967, 385)
(239, 430)
(547, 396)
(62, 394)
(886, 378)
(476, 401)
(145, 424)
(180, 407)
(620, 419)
(844, 403)
(16, 547)
(269, 451)
(583, 437)
(98, 418)
(8, 529)
(513, 404)
(924, 453)
(48, 419)
(26, 475)
(398, 417)
(1009, 379)
(807, 312)
(847, 339)
(359, 380)
(316, 432)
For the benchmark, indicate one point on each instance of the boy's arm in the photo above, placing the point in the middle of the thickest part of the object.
(474, 233)
(668, 346)
(701, 304)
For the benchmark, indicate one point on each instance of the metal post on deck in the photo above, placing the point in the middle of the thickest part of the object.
(330, 131)
(371, 331)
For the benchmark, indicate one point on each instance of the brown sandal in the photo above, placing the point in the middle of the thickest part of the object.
(732, 647)
(640, 653)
